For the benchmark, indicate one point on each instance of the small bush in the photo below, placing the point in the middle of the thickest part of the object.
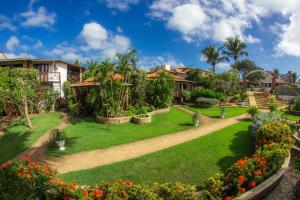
(50, 99)
(201, 101)
(186, 95)
(73, 108)
(253, 110)
(262, 118)
(297, 104)
(296, 163)
(207, 93)
(273, 104)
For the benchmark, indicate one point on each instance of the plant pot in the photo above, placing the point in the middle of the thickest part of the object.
(142, 119)
(61, 145)
(197, 123)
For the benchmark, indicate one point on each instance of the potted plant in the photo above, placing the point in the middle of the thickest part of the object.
(222, 114)
(196, 119)
(58, 138)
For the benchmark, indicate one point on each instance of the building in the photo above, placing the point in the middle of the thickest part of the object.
(270, 81)
(52, 72)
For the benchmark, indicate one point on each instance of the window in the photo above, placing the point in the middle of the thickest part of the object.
(41, 67)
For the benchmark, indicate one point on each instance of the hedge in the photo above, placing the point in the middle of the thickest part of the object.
(207, 93)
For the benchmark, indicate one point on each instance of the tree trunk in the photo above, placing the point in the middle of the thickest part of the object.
(29, 124)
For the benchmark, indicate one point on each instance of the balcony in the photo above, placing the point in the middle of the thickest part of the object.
(50, 76)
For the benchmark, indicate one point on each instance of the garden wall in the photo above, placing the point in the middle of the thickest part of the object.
(121, 120)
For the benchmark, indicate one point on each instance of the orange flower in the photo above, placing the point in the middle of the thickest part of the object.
(98, 193)
(51, 181)
(123, 191)
(85, 192)
(74, 185)
(37, 166)
(46, 169)
(28, 176)
(241, 178)
(20, 174)
(63, 185)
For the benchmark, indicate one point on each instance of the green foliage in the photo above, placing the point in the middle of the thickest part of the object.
(213, 188)
(213, 56)
(138, 87)
(297, 104)
(207, 93)
(296, 163)
(273, 104)
(160, 90)
(206, 102)
(50, 99)
(235, 48)
(253, 110)
(186, 95)
(228, 83)
(56, 135)
(72, 104)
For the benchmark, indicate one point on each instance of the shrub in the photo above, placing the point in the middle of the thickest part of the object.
(296, 163)
(262, 118)
(73, 108)
(175, 191)
(273, 104)
(213, 188)
(50, 99)
(186, 95)
(253, 111)
(207, 93)
(274, 131)
(297, 104)
(201, 101)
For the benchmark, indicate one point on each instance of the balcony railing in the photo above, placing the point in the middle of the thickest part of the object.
(50, 76)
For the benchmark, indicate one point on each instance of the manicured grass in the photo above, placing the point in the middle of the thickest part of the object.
(87, 134)
(191, 162)
(216, 111)
(18, 137)
(289, 116)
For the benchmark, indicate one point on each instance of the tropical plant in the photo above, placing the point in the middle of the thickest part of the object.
(138, 87)
(186, 95)
(50, 99)
(213, 56)
(273, 104)
(297, 104)
(276, 72)
(294, 77)
(70, 96)
(235, 48)
(91, 65)
(228, 83)
(160, 90)
(253, 111)
(207, 93)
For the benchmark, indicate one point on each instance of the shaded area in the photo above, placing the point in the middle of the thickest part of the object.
(87, 134)
(17, 138)
(215, 112)
(191, 162)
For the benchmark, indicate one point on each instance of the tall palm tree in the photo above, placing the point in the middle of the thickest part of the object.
(235, 48)
(277, 72)
(213, 56)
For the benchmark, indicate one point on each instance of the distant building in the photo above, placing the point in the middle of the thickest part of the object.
(288, 77)
(53, 72)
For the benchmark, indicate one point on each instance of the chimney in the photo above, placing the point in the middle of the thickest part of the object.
(2, 55)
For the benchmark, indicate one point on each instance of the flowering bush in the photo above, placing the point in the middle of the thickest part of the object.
(262, 118)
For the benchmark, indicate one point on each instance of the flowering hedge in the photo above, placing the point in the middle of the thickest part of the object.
(26, 179)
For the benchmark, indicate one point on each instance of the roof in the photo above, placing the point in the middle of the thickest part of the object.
(39, 60)
(153, 75)
(91, 81)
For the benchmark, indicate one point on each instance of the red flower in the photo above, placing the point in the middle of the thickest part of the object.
(240, 183)
(26, 158)
(123, 191)
(51, 181)
(241, 178)
(98, 193)
(85, 192)
(257, 173)
(28, 176)
(63, 185)
(5, 166)
(46, 169)
(37, 166)
(227, 198)
(243, 190)
(240, 162)
(20, 174)
(252, 184)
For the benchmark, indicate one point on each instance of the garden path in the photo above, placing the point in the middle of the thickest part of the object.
(95, 158)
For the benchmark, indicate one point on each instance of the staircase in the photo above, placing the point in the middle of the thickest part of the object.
(262, 99)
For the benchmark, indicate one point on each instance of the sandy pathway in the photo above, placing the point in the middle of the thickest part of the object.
(95, 158)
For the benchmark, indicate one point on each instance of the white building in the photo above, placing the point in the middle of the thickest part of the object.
(53, 72)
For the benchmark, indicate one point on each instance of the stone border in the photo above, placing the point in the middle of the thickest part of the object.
(265, 187)
(121, 120)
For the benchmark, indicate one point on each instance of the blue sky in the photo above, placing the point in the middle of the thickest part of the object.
(162, 31)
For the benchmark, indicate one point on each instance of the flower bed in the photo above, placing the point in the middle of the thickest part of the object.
(273, 142)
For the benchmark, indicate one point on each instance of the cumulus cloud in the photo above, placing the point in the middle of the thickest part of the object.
(218, 19)
(12, 42)
(122, 5)
(39, 18)
(19, 55)
(94, 35)
(223, 66)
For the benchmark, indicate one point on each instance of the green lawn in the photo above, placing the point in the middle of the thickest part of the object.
(191, 162)
(289, 116)
(216, 111)
(18, 137)
(87, 134)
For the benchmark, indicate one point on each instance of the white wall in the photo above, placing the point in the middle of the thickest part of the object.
(62, 68)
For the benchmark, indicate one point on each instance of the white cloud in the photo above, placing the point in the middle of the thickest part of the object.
(12, 42)
(39, 18)
(121, 5)
(289, 43)
(223, 66)
(147, 62)
(94, 35)
(20, 55)
(5, 23)
(38, 44)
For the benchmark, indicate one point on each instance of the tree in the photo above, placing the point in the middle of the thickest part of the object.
(294, 77)
(76, 62)
(91, 65)
(245, 67)
(213, 56)
(18, 86)
(235, 48)
(276, 72)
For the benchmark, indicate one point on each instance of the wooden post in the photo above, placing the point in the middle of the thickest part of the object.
(80, 75)
(273, 83)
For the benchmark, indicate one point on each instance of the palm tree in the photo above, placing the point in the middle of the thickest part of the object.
(277, 72)
(235, 48)
(294, 77)
(213, 56)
